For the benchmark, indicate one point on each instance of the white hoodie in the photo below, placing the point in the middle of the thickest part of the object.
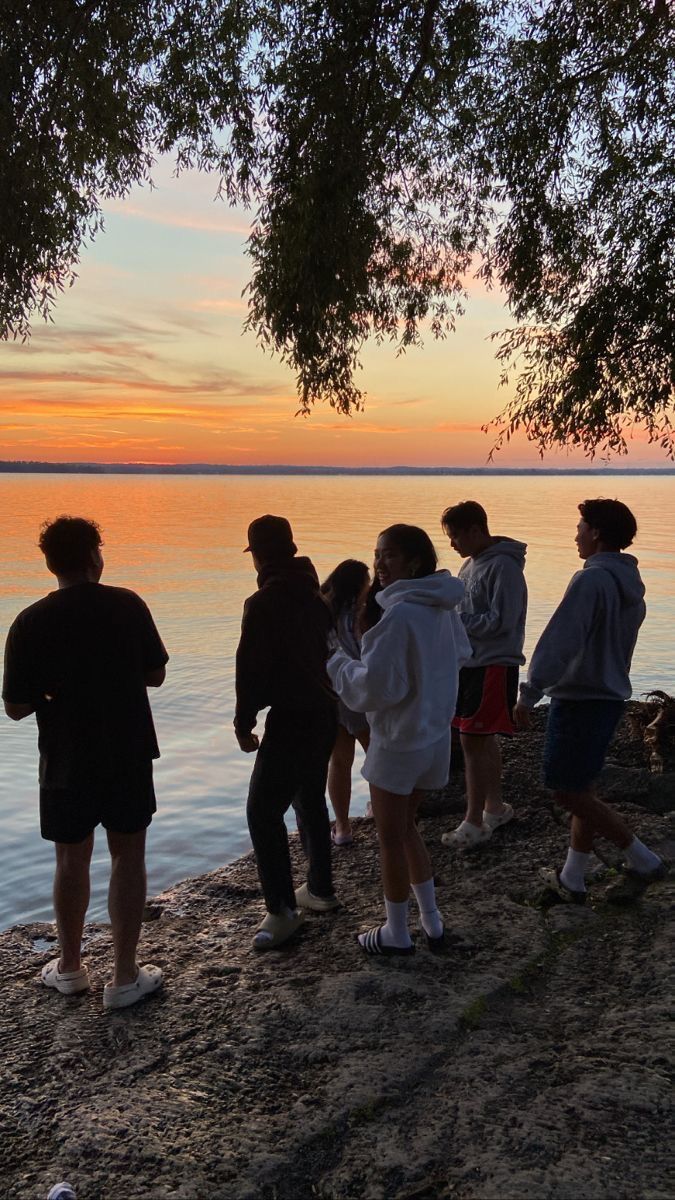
(406, 681)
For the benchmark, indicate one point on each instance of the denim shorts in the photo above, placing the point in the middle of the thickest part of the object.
(578, 733)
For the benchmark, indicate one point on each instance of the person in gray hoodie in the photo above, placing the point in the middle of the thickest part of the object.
(582, 661)
(493, 612)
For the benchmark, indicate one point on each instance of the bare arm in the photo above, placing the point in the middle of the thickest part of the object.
(17, 712)
(155, 678)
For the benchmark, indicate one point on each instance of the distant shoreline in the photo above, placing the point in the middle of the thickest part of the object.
(93, 468)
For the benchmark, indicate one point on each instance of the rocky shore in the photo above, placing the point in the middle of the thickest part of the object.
(530, 1062)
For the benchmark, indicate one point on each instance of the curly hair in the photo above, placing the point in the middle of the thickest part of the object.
(68, 543)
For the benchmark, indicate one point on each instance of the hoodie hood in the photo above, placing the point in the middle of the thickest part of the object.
(507, 546)
(440, 590)
(624, 571)
(297, 575)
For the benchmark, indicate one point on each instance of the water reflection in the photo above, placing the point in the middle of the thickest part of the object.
(178, 541)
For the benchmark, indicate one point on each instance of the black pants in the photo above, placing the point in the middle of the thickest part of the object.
(291, 768)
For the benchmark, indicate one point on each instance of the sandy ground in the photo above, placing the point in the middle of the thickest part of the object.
(530, 1062)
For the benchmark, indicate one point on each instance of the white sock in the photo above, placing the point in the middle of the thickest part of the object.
(395, 932)
(573, 874)
(425, 895)
(640, 858)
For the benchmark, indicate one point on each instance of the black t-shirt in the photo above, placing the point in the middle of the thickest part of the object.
(79, 657)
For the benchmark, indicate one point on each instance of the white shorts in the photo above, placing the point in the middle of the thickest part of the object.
(404, 771)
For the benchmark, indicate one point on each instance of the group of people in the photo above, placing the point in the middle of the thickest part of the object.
(396, 662)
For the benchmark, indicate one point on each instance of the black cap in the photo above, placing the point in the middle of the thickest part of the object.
(271, 537)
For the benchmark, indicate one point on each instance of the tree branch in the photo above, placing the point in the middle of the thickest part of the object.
(660, 14)
(427, 29)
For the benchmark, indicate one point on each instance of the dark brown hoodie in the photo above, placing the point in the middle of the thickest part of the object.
(282, 652)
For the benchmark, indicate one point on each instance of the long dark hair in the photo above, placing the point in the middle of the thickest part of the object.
(414, 542)
(371, 612)
(344, 585)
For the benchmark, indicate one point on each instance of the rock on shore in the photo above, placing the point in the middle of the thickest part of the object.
(529, 1063)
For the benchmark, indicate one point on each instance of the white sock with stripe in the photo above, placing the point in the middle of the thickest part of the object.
(395, 932)
(432, 921)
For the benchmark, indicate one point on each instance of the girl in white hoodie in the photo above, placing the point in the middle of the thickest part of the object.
(406, 682)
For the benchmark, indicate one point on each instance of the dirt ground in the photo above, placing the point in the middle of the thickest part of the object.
(530, 1062)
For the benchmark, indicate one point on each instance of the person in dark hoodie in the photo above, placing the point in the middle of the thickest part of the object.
(281, 664)
(582, 661)
(493, 612)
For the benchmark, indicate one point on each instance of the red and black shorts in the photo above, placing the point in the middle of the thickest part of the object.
(486, 699)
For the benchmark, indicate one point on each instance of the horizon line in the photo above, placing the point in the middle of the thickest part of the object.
(37, 466)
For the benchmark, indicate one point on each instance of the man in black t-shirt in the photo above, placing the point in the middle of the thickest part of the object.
(82, 659)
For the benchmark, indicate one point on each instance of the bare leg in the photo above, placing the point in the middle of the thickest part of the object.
(363, 738)
(589, 817)
(581, 835)
(421, 874)
(340, 779)
(126, 900)
(417, 855)
(390, 813)
(483, 767)
(71, 898)
(391, 816)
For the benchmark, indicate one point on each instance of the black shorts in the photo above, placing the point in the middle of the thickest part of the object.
(123, 805)
(486, 699)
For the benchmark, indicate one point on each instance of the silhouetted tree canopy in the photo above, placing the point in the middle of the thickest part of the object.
(392, 151)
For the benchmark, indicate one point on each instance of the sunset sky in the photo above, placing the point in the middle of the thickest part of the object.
(146, 361)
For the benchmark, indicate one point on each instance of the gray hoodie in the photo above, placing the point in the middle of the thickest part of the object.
(586, 649)
(495, 603)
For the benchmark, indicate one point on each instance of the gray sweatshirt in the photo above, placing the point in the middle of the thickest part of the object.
(494, 607)
(586, 649)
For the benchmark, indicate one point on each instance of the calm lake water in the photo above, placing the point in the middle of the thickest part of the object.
(178, 542)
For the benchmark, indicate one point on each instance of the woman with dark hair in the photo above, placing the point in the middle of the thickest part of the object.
(345, 591)
(406, 681)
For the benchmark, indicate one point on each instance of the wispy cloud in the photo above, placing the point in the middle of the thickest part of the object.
(177, 220)
(117, 334)
(48, 412)
(123, 376)
(216, 304)
(458, 426)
